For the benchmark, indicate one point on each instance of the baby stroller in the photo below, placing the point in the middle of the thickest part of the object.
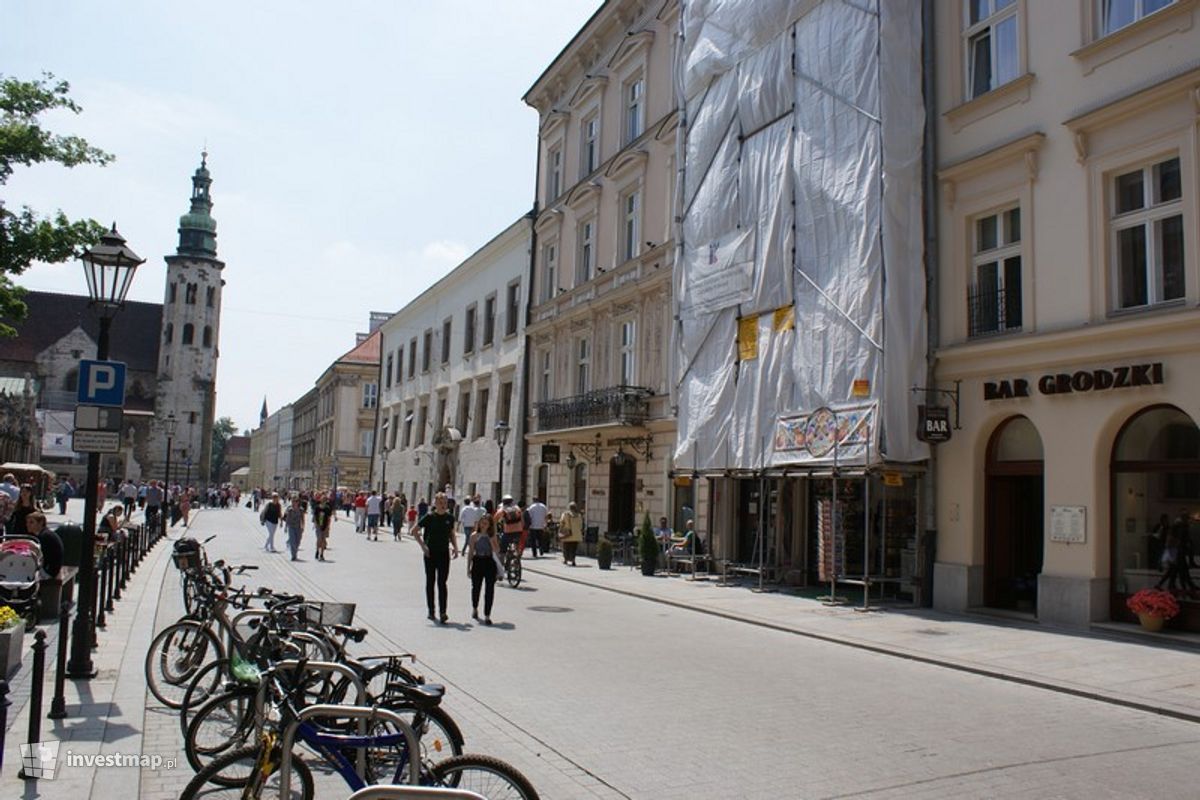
(20, 575)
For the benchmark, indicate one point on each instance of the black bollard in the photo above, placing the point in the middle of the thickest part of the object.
(115, 577)
(3, 717)
(102, 593)
(37, 678)
(97, 603)
(58, 705)
(108, 577)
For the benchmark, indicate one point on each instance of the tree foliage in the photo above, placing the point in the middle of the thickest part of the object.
(26, 236)
(223, 428)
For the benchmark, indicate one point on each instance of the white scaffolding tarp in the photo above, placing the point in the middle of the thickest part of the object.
(800, 292)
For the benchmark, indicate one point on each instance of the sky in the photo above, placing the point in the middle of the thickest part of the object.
(359, 151)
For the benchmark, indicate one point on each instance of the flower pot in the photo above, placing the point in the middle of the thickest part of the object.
(1152, 623)
(12, 643)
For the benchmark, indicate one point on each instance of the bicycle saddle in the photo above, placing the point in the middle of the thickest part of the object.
(353, 634)
(424, 696)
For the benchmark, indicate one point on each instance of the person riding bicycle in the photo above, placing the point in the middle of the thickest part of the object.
(511, 522)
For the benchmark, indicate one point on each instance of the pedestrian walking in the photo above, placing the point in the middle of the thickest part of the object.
(360, 512)
(483, 548)
(412, 515)
(374, 507)
(435, 534)
(468, 516)
(570, 532)
(538, 514)
(322, 518)
(293, 521)
(270, 515)
(397, 511)
(62, 493)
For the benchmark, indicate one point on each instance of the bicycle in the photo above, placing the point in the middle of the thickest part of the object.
(248, 772)
(512, 558)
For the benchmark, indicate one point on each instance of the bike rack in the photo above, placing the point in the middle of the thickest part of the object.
(360, 695)
(413, 793)
(362, 713)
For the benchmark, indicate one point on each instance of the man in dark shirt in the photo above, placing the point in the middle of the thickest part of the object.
(322, 517)
(52, 546)
(436, 537)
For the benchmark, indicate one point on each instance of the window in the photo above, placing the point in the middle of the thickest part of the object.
(627, 350)
(210, 296)
(370, 395)
(549, 272)
(542, 482)
(388, 372)
(189, 294)
(504, 407)
(469, 329)
(366, 442)
(446, 340)
(192, 418)
(992, 50)
(544, 384)
(171, 293)
(170, 332)
(514, 306)
(579, 485)
(489, 320)
(440, 420)
(422, 418)
(189, 333)
(1116, 14)
(994, 298)
(408, 427)
(583, 351)
(554, 174)
(635, 102)
(481, 413)
(587, 252)
(590, 147)
(426, 355)
(630, 225)
(1147, 234)
(206, 337)
(464, 411)
(412, 357)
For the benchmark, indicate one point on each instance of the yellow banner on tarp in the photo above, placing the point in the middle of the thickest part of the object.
(748, 338)
(785, 319)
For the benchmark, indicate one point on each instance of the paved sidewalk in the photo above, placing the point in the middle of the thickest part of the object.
(1113, 663)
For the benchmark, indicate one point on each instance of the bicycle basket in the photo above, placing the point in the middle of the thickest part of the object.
(321, 613)
(187, 561)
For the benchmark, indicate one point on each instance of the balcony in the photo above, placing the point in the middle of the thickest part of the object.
(992, 311)
(616, 405)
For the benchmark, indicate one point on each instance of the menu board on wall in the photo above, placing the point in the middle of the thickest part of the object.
(831, 542)
(1068, 524)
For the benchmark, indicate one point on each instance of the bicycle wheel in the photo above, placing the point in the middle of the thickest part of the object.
(191, 593)
(437, 733)
(512, 571)
(241, 762)
(174, 658)
(221, 724)
(490, 777)
(206, 683)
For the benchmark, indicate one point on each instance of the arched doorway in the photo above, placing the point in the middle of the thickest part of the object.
(622, 488)
(1014, 517)
(1155, 493)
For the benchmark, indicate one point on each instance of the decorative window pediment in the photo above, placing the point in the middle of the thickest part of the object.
(552, 122)
(591, 85)
(626, 163)
(666, 129)
(633, 45)
(583, 193)
(548, 220)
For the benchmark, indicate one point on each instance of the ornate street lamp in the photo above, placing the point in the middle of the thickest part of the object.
(501, 432)
(108, 268)
(383, 454)
(169, 426)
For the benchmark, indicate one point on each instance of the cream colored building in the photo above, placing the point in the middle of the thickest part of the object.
(601, 429)
(1068, 284)
(347, 402)
(452, 370)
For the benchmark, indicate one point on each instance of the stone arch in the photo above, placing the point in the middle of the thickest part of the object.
(1014, 515)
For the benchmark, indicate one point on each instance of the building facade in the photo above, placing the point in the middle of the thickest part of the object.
(451, 370)
(1069, 172)
(602, 426)
(347, 403)
(301, 473)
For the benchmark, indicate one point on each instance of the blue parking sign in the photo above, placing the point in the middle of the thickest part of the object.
(101, 383)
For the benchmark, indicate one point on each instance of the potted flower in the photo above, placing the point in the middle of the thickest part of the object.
(648, 547)
(12, 640)
(1153, 607)
(604, 553)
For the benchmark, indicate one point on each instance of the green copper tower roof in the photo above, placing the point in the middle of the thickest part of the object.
(197, 228)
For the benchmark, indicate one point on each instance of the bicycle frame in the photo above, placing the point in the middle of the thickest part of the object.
(360, 694)
(326, 743)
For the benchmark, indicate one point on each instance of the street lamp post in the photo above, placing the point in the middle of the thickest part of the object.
(169, 427)
(501, 431)
(187, 481)
(108, 268)
(383, 453)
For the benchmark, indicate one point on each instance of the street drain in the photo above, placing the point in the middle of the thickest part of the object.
(551, 609)
(932, 632)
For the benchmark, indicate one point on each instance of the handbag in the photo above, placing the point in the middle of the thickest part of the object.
(500, 572)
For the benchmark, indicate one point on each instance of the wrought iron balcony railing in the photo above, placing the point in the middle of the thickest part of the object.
(623, 405)
(991, 311)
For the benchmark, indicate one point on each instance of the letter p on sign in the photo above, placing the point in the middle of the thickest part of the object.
(101, 383)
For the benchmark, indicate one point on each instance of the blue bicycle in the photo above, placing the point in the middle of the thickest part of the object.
(254, 771)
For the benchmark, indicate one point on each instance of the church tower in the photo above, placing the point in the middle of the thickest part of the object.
(187, 354)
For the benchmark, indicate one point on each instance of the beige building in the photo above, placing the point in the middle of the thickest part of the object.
(452, 372)
(300, 472)
(347, 399)
(1068, 284)
(601, 429)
